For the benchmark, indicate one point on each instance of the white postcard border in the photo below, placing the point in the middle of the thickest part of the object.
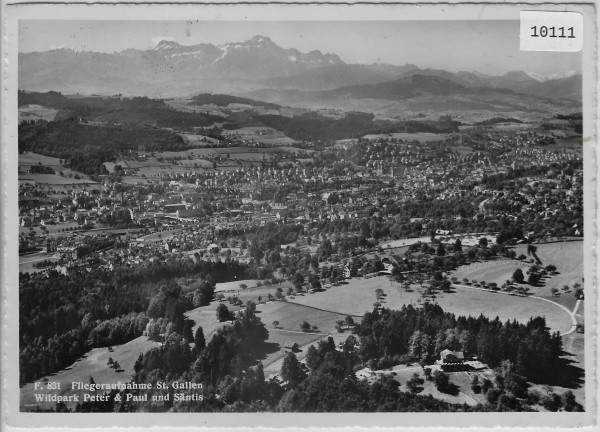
(427, 421)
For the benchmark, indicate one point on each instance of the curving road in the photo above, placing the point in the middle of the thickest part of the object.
(571, 313)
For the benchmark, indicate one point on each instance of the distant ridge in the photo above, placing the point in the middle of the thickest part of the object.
(171, 69)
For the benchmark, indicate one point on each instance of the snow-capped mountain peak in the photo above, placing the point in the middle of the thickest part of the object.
(166, 45)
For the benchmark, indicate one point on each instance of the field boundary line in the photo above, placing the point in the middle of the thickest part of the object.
(324, 310)
(299, 332)
(571, 314)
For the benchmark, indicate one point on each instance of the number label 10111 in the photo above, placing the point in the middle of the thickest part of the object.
(552, 32)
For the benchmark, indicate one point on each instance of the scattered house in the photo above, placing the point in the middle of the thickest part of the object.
(61, 269)
(448, 356)
(452, 361)
(291, 346)
(50, 246)
(346, 272)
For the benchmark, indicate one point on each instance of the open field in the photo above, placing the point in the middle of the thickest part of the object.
(235, 285)
(161, 236)
(195, 163)
(36, 112)
(27, 262)
(358, 296)
(420, 137)
(53, 230)
(272, 363)
(322, 310)
(566, 256)
(93, 364)
(497, 271)
(198, 140)
(506, 307)
(29, 159)
(261, 134)
(290, 316)
(466, 239)
(513, 126)
(52, 179)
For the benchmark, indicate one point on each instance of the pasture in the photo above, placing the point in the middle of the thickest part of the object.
(497, 271)
(198, 140)
(36, 112)
(29, 159)
(358, 297)
(235, 285)
(323, 309)
(566, 256)
(421, 137)
(466, 239)
(27, 262)
(92, 364)
(53, 179)
(53, 230)
(272, 362)
(509, 126)
(261, 134)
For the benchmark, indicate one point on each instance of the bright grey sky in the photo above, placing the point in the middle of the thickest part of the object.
(490, 47)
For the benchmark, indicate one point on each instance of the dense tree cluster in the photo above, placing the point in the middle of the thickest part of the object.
(86, 147)
(387, 335)
(63, 316)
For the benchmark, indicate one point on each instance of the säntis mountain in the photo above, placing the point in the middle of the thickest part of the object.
(256, 66)
(178, 69)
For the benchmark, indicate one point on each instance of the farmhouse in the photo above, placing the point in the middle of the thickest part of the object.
(452, 360)
(448, 356)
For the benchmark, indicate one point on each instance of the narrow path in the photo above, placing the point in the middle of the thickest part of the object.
(571, 314)
(299, 332)
(576, 306)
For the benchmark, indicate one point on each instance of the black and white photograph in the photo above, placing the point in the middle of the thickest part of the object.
(326, 215)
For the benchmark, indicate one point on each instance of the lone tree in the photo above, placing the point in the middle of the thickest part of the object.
(199, 339)
(223, 313)
(518, 276)
(305, 326)
(457, 245)
(534, 278)
(415, 383)
(443, 384)
(291, 370)
(475, 385)
(275, 323)
(441, 251)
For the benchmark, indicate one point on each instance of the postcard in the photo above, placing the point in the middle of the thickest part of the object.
(299, 215)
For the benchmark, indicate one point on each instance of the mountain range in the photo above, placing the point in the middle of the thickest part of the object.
(258, 67)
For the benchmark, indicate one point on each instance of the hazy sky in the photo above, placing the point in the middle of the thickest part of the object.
(490, 47)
